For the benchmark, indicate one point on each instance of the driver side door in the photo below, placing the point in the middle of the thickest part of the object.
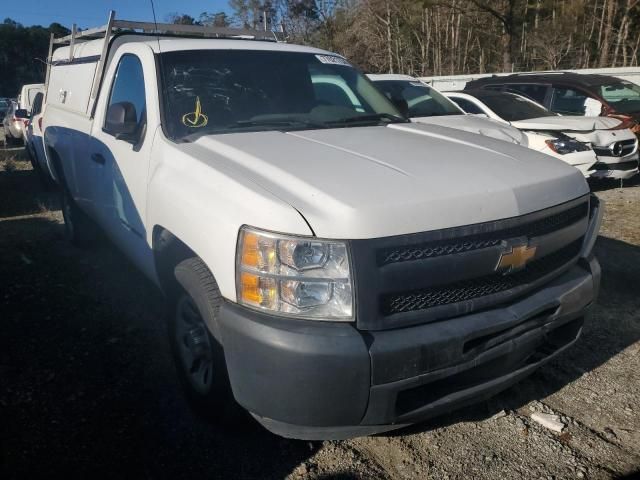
(121, 162)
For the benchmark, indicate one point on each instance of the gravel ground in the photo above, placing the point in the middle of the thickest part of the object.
(87, 386)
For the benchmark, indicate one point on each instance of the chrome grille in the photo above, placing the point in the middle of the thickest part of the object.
(616, 149)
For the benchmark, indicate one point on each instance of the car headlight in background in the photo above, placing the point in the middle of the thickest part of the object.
(567, 145)
(294, 276)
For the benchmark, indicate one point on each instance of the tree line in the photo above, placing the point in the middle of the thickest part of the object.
(445, 37)
(23, 54)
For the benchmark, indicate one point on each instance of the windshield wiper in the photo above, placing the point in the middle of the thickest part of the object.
(436, 114)
(373, 117)
(276, 123)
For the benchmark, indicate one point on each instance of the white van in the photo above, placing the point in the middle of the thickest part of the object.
(331, 267)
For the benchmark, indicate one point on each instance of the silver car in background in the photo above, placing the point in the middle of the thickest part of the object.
(15, 124)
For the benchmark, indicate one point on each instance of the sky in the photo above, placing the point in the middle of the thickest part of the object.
(91, 13)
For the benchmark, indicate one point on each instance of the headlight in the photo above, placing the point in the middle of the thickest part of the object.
(567, 145)
(295, 276)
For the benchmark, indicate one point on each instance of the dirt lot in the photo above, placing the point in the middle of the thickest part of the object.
(87, 387)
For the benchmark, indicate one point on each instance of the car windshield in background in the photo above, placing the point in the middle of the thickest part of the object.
(422, 100)
(623, 96)
(513, 108)
(226, 91)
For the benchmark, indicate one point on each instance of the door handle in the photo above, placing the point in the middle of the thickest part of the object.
(98, 158)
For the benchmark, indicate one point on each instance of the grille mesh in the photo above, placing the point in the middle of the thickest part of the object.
(484, 240)
(479, 287)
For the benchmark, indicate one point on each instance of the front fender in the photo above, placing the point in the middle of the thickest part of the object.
(203, 201)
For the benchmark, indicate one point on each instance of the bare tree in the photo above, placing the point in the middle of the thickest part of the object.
(505, 11)
(609, 10)
(425, 37)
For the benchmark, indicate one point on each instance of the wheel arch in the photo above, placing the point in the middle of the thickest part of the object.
(168, 251)
(56, 165)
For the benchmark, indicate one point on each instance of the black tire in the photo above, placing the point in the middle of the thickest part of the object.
(198, 356)
(43, 177)
(14, 141)
(32, 159)
(78, 228)
(8, 139)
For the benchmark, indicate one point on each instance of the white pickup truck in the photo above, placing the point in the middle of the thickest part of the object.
(331, 267)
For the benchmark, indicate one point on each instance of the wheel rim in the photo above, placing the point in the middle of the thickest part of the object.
(194, 346)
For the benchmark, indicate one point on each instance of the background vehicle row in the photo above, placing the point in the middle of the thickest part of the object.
(598, 146)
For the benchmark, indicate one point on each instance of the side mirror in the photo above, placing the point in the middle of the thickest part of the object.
(401, 104)
(121, 121)
(21, 113)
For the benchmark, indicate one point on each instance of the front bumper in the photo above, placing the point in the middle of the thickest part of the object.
(616, 168)
(583, 161)
(315, 380)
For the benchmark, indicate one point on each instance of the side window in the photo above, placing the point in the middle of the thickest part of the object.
(36, 108)
(467, 105)
(535, 92)
(568, 101)
(128, 87)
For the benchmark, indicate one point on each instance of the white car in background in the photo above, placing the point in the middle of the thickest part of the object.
(28, 94)
(424, 104)
(33, 140)
(14, 124)
(615, 146)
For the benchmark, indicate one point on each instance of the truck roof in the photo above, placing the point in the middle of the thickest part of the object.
(159, 44)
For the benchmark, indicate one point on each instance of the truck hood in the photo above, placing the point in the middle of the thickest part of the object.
(574, 123)
(473, 124)
(367, 182)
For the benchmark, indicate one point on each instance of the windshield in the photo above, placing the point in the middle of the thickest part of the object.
(422, 100)
(209, 92)
(513, 108)
(624, 97)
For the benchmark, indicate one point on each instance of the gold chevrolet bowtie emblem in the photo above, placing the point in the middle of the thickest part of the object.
(516, 258)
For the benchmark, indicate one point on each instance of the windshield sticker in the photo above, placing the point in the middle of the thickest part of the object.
(195, 119)
(333, 60)
(417, 84)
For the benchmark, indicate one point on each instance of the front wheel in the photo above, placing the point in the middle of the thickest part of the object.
(198, 356)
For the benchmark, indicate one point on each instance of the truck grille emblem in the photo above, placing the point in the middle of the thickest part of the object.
(515, 258)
